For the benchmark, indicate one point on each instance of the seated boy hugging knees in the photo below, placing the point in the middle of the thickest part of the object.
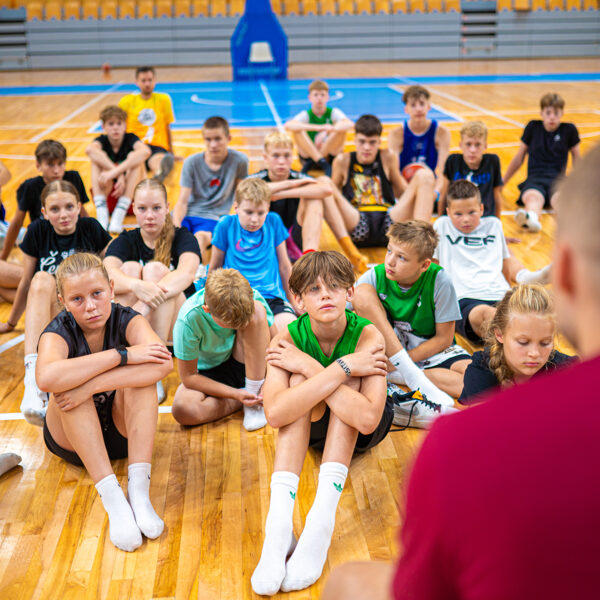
(473, 251)
(325, 388)
(220, 339)
(252, 241)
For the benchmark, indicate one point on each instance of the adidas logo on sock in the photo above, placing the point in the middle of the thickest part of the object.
(293, 495)
(338, 487)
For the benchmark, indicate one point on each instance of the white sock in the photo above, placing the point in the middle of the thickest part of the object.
(160, 392)
(101, 210)
(8, 461)
(306, 564)
(33, 405)
(124, 532)
(254, 416)
(116, 221)
(416, 379)
(279, 534)
(138, 486)
(541, 276)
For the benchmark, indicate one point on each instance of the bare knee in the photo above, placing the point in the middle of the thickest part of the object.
(42, 282)
(424, 177)
(154, 271)
(185, 405)
(132, 269)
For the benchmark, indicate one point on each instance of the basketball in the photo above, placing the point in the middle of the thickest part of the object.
(409, 170)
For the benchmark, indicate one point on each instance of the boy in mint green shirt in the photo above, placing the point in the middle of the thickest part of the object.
(220, 339)
(412, 302)
(325, 387)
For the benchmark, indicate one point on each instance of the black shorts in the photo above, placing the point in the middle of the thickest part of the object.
(115, 443)
(544, 184)
(231, 373)
(279, 305)
(371, 229)
(294, 242)
(154, 150)
(463, 327)
(318, 430)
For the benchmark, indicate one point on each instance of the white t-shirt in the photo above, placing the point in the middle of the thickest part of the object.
(336, 115)
(474, 260)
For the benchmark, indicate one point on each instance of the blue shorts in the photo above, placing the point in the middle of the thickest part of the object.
(195, 224)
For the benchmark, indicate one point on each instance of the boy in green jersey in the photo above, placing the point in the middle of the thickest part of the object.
(412, 302)
(325, 387)
(319, 132)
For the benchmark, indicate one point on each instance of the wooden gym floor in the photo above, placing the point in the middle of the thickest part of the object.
(211, 483)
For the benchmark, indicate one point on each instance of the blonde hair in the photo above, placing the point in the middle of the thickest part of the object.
(55, 187)
(419, 235)
(331, 266)
(229, 297)
(78, 263)
(164, 243)
(318, 85)
(277, 139)
(552, 100)
(253, 190)
(523, 299)
(476, 129)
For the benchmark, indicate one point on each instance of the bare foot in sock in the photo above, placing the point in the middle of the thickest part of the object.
(8, 461)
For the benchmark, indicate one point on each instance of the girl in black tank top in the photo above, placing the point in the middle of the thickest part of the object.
(100, 362)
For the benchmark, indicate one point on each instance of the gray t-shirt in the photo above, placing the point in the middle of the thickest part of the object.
(212, 191)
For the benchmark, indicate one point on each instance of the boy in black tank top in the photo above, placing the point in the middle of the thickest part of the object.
(325, 387)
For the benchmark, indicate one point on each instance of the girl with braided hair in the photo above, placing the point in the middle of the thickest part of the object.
(519, 343)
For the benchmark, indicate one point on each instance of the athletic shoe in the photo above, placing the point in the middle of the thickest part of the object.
(324, 165)
(528, 220)
(309, 165)
(412, 409)
(166, 166)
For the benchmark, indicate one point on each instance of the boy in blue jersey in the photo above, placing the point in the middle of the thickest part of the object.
(420, 142)
(253, 241)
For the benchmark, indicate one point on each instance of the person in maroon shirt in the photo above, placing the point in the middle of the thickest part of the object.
(502, 500)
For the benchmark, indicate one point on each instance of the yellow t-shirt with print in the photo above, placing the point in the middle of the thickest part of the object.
(149, 119)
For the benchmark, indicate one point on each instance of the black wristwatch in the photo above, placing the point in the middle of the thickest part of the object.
(122, 350)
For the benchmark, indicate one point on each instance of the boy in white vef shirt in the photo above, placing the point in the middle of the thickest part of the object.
(472, 249)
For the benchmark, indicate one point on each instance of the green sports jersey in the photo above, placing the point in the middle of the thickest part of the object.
(324, 119)
(305, 340)
(413, 309)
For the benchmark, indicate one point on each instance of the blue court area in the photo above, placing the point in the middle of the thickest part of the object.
(271, 103)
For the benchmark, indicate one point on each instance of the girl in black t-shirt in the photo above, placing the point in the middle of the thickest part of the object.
(152, 266)
(520, 344)
(47, 243)
(100, 362)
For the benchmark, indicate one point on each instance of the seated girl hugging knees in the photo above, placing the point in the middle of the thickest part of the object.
(46, 244)
(220, 339)
(519, 344)
(100, 362)
(153, 266)
(325, 388)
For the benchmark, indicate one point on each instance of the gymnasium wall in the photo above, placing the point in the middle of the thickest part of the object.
(205, 40)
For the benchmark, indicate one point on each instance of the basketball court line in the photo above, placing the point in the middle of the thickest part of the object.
(271, 105)
(8, 345)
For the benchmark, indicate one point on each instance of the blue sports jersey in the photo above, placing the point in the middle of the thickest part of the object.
(419, 148)
(253, 253)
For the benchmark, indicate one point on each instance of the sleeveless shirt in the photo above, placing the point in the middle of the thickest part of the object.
(324, 119)
(419, 148)
(367, 186)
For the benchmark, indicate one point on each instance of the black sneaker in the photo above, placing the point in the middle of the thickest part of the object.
(308, 164)
(324, 165)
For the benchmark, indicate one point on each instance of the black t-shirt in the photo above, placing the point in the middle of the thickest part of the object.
(486, 177)
(548, 150)
(479, 378)
(126, 146)
(30, 191)
(43, 243)
(286, 208)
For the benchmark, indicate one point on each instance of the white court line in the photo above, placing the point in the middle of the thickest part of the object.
(271, 106)
(19, 416)
(39, 136)
(8, 345)
(480, 109)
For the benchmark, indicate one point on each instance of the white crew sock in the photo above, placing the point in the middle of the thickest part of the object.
(33, 405)
(8, 461)
(416, 379)
(279, 534)
(306, 564)
(254, 416)
(138, 486)
(160, 392)
(542, 276)
(101, 210)
(124, 532)
(116, 221)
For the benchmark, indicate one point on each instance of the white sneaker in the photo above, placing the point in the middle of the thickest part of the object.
(528, 220)
(414, 410)
(33, 405)
(254, 417)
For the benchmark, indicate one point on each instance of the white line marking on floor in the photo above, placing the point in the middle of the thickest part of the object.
(43, 134)
(8, 345)
(271, 106)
